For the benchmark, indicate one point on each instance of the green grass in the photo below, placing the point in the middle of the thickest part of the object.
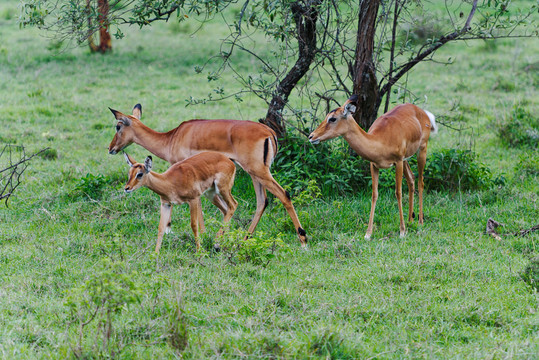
(446, 290)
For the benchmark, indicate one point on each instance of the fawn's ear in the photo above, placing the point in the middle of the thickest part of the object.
(128, 159)
(124, 119)
(137, 111)
(148, 164)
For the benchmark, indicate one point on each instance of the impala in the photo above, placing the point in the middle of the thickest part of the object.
(391, 140)
(208, 173)
(251, 145)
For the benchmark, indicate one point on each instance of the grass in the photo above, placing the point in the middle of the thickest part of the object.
(446, 290)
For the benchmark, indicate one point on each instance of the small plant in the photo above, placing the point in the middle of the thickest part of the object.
(49, 154)
(95, 306)
(91, 186)
(520, 129)
(528, 165)
(531, 274)
(258, 250)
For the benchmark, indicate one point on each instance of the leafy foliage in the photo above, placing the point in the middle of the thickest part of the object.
(257, 250)
(521, 129)
(528, 164)
(91, 186)
(96, 303)
(335, 169)
(531, 274)
(454, 169)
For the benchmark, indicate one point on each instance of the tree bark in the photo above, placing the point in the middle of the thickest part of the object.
(305, 15)
(364, 71)
(105, 41)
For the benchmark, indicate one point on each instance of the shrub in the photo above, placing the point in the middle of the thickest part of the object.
(531, 274)
(521, 129)
(454, 169)
(528, 164)
(91, 186)
(334, 168)
(257, 250)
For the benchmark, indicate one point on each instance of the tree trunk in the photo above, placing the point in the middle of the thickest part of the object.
(364, 71)
(305, 16)
(105, 41)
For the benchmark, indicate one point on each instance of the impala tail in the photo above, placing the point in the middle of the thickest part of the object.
(432, 122)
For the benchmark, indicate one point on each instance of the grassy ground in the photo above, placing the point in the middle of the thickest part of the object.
(447, 290)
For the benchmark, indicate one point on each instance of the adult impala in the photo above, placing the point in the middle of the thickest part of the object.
(208, 173)
(251, 145)
(391, 140)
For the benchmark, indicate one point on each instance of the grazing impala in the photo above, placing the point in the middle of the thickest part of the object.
(391, 140)
(251, 145)
(208, 173)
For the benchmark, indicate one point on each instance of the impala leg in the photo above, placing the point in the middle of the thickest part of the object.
(374, 176)
(421, 161)
(409, 175)
(276, 189)
(398, 193)
(164, 223)
(201, 226)
(261, 203)
(231, 204)
(194, 209)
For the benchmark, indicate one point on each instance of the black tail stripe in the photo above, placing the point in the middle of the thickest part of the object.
(266, 150)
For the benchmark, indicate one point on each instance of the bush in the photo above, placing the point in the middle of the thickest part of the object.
(91, 186)
(453, 169)
(531, 274)
(336, 171)
(520, 130)
(334, 168)
(528, 165)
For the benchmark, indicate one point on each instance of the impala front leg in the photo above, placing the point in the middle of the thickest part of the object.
(398, 194)
(164, 223)
(409, 175)
(194, 209)
(374, 176)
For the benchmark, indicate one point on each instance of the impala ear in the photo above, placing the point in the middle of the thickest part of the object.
(121, 117)
(350, 106)
(148, 164)
(137, 111)
(128, 159)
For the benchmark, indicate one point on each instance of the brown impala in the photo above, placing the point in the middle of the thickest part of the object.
(391, 140)
(208, 173)
(251, 145)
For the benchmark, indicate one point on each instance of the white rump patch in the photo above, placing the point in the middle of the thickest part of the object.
(432, 122)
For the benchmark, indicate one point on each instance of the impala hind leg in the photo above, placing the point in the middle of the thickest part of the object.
(421, 161)
(272, 186)
(164, 224)
(409, 175)
(374, 175)
(398, 193)
(261, 203)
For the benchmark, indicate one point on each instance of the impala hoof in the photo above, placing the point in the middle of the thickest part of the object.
(403, 234)
(367, 236)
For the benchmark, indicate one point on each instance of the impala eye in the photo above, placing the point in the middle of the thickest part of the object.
(332, 119)
(118, 127)
(139, 175)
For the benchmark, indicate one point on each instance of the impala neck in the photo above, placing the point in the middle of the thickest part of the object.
(155, 142)
(158, 184)
(362, 143)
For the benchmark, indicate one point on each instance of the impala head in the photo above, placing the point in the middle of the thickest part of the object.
(137, 173)
(124, 131)
(336, 122)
